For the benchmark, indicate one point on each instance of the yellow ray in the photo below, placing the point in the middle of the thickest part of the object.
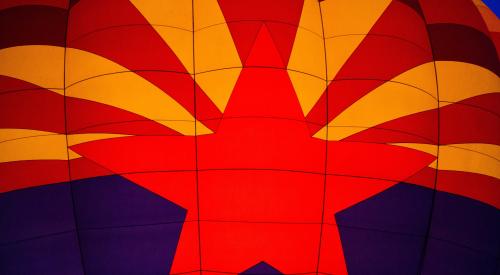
(308, 89)
(130, 92)
(172, 20)
(15, 133)
(26, 144)
(469, 157)
(181, 43)
(492, 150)
(346, 24)
(214, 49)
(308, 57)
(81, 65)
(127, 91)
(422, 77)
(389, 101)
(212, 52)
(218, 85)
(341, 17)
(458, 81)
(308, 51)
(338, 50)
(321, 134)
(207, 13)
(38, 64)
(49, 147)
(459, 159)
(310, 17)
(83, 138)
(308, 54)
(176, 13)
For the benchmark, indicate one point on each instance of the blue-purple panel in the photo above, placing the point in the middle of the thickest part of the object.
(35, 212)
(445, 258)
(378, 252)
(130, 250)
(114, 201)
(54, 255)
(467, 222)
(124, 228)
(403, 208)
(464, 234)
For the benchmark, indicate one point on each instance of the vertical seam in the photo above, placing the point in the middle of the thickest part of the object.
(77, 227)
(434, 190)
(196, 137)
(326, 142)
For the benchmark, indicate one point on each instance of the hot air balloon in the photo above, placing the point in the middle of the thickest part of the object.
(249, 137)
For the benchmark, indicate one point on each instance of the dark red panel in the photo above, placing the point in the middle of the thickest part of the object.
(476, 186)
(244, 34)
(134, 47)
(462, 12)
(5, 4)
(476, 115)
(26, 25)
(82, 168)
(453, 42)
(283, 36)
(281, 16)
(23, 174)
(381, 57)
(414, 4)
(92, 15)
(425, 177)
(495, 38)
(388, 50)
(140, 48)
(86, 116)
(10, 84)
(489, 102)
(23, 110)
(279, 10)
(402, 21)
(465, 124)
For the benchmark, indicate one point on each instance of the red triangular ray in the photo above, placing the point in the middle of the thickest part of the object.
(264, 52)
(264, 91)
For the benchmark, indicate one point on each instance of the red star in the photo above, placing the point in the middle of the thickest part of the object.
(261, 186)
